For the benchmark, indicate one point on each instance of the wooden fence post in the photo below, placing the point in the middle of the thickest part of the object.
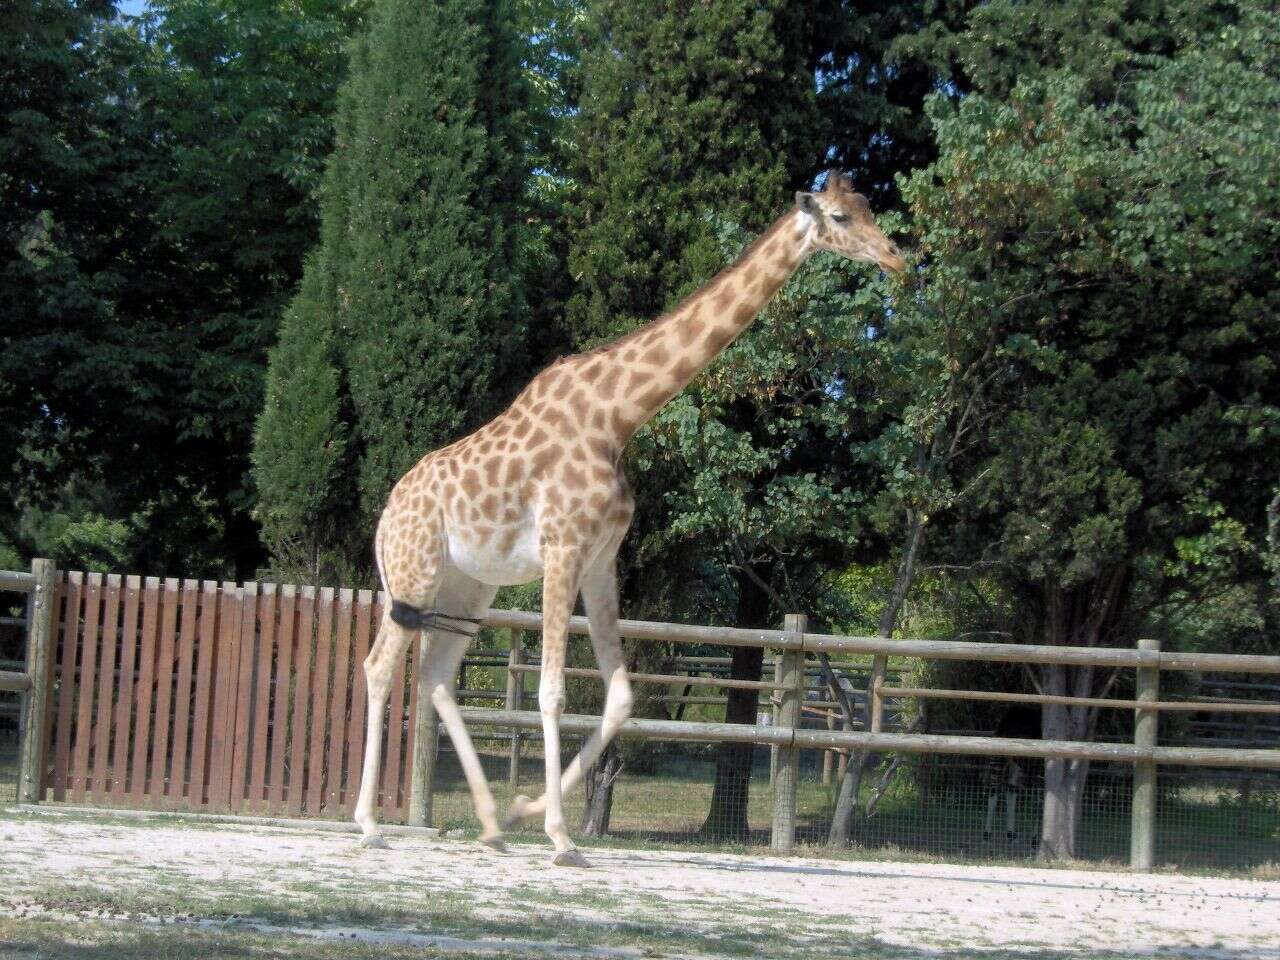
(875, 699)
(426, 734)
(788, 713)
(1142, 840)
(34, 721)
(515, 698)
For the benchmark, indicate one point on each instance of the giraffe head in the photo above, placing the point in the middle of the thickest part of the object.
(842, 223)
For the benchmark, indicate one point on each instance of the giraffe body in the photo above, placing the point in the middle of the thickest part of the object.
(538, 492)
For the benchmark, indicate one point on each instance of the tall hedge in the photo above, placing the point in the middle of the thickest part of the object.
(408, 321)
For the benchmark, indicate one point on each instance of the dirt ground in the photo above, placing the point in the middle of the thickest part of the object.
(453, 897)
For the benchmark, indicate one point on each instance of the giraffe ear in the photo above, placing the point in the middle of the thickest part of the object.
(806, 202)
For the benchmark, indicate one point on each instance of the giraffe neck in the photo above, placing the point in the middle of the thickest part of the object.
(645, 369)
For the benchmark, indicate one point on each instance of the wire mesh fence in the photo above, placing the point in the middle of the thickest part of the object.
(929, 806)
(9, 705)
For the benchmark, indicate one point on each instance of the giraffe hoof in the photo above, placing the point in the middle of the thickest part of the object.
(516, 812)
(374, 841)
(495, 842)
(570, 858)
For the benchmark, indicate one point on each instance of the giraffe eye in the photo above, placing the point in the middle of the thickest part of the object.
(840, 217)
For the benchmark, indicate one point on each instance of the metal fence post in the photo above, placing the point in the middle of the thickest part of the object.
(785, 780)
(1142, 840)
(34, 720)
(515, 696)
(426, 734)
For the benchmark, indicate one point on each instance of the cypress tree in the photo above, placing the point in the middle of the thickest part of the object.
(689, 112)
(413, 325)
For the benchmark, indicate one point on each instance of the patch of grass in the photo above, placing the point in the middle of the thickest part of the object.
(91, 940)
(454, 917)
(88, 940)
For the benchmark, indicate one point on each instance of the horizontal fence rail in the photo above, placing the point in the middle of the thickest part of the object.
(972, 746)
(924, 649)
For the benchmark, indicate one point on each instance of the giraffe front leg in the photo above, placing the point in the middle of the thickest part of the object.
(600, 597)
(559, 588)
(388, 652)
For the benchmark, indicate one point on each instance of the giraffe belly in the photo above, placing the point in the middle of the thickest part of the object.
(491, 562)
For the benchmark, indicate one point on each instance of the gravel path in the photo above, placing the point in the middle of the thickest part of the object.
(922, 909)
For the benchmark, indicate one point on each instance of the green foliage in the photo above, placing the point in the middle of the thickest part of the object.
(157, 185)
(1119, 258)
(301, 444)
(409, 319)
(768, 441)
(685, 110)
(690, 118)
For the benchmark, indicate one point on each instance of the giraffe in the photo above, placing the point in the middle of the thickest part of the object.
(539, 492)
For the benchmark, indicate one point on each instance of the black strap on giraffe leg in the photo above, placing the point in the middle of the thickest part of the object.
(415, 618)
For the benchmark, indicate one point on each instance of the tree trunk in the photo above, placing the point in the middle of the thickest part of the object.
(727, 816)
(1064, 779)
(847, 800)
(1086, 616)
(599, 786)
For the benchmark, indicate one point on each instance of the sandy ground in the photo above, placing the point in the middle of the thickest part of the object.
(924, 909)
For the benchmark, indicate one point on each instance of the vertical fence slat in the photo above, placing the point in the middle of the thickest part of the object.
(357, 723)
(128, 679)
(184, 655)
(338, 702)
(260, 718)
(243, 700)
(69, 654)
(88, 675)
(226, 674)
(281, 689)
(320, 704)
(301, 700)
(101, 774)
(202, 721)
(164, 691)
(146, 683)
(396, 716)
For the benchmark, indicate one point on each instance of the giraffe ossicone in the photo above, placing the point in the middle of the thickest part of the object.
(538, 492)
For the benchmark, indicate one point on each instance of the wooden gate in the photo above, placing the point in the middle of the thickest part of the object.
(190, 695)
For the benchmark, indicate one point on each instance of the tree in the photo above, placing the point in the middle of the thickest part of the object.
(243, 92)
(694, 120)
(1122, 250)
(409, 317)
(159, 197)
(86, 367)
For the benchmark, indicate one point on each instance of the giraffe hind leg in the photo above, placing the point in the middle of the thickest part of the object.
(461, 599)
(413, 576)
(384, 658)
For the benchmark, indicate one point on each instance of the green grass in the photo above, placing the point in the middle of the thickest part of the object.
(173, 924)
(8, 765)
(1198, 830)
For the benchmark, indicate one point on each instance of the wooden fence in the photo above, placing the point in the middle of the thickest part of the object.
(186, 695)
